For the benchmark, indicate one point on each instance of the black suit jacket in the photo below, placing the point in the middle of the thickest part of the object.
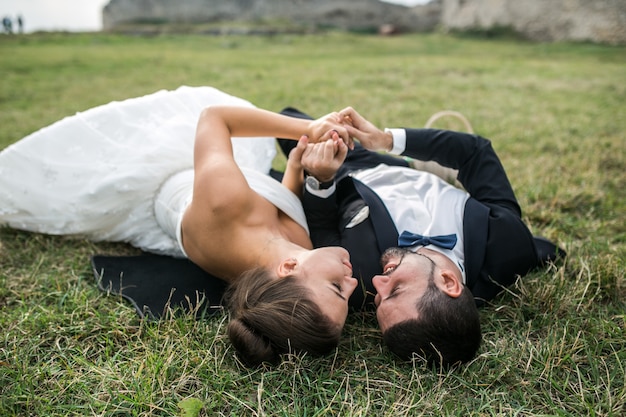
(498, 245)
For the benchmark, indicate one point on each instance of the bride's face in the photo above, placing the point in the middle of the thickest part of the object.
(327, 274)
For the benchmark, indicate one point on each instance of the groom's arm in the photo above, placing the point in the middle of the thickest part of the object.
(480, 169)
(320, 207)
(321, 161)
(322, 215)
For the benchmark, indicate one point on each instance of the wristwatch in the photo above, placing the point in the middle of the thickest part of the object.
(315, 184)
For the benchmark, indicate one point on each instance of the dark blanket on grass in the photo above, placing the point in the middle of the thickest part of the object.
(154, 284)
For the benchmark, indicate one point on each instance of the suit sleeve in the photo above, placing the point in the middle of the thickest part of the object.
(480, 169)
(322, 216)
(502, 246)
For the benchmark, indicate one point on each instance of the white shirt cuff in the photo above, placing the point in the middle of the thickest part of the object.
(322, 193)
(399, 140)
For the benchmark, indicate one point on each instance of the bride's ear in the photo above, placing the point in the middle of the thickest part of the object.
(287, 267)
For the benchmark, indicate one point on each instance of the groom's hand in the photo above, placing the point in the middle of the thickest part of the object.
(323, 159)
(370, 137)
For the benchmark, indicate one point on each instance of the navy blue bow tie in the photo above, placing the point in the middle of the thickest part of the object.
(408, 239)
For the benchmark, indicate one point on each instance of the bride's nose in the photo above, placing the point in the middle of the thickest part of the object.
(351, 283)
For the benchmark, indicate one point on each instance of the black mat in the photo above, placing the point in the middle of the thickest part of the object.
(155, 284)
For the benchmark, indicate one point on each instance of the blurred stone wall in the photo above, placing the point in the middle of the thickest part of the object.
(601, 21)
(342, 14)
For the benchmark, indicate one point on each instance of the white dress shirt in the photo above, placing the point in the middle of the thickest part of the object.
(417, 201)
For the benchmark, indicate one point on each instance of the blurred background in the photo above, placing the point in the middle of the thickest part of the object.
(73, 15)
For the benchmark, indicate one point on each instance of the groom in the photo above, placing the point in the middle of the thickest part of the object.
(428, 287)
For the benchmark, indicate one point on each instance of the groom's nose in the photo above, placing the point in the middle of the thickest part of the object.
(379, 282)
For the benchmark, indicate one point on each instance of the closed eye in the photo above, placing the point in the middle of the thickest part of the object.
(338, 292)
(393, 293)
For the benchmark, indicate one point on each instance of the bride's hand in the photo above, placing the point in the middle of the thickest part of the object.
(322, 129)
(294, 159)
(294, 172)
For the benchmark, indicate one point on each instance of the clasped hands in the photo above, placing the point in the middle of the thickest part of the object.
(322, 154)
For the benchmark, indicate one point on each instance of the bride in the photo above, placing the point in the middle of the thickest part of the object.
(184, 173)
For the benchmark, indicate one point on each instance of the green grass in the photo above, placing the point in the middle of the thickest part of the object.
(554, 345)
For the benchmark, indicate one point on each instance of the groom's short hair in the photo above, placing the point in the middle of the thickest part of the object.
(446, 332)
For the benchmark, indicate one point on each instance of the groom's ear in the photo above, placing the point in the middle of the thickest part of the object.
(449, 283)
(287, 267)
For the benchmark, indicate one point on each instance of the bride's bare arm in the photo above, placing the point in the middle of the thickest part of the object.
(246, 122)
(293, 178)
(219, 185)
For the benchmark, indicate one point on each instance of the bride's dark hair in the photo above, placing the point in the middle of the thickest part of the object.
(269, 317)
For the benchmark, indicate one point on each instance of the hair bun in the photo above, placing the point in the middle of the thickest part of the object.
(252, 348)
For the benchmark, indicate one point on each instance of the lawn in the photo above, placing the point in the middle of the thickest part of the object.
(554, 344)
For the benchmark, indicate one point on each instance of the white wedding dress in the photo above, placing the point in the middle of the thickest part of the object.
(97, 174)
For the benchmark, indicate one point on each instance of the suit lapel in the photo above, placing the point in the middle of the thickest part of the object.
(475, 233)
